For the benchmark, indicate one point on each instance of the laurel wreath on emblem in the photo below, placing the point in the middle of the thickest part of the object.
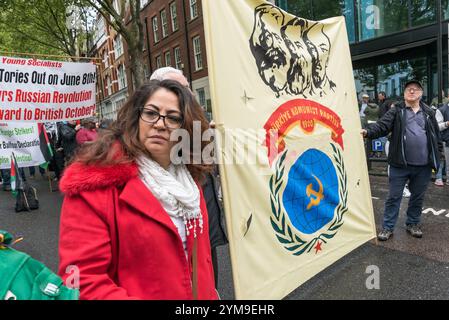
(284, 233)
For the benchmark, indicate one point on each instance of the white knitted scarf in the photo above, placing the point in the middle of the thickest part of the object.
(175, 189)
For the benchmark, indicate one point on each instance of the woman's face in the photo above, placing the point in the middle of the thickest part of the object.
(154, 133)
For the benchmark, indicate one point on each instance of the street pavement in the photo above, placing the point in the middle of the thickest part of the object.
(409, 268)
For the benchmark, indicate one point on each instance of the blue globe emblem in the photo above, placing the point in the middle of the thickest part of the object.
(311, 194)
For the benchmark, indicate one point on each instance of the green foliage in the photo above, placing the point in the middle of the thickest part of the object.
(37, 27)
(130, 28)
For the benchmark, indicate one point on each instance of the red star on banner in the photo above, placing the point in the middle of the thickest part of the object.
(318, 247)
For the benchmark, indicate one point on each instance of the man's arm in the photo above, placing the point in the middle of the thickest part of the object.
(382, 127)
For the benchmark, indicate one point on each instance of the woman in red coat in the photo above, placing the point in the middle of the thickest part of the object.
(133, 221)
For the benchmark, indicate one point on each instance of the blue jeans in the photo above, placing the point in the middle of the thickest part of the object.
(439, 174)
(444, 165)
(418, 178)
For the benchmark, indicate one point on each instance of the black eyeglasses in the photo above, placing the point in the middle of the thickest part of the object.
(152, 116)
(412, 89)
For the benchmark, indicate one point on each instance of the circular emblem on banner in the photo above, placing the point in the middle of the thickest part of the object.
(311, 207)
(311, 194)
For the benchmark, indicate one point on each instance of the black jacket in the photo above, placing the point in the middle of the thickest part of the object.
(445, 112)
(394, 121)
(67, 135)
(384, 107)
(215, 212)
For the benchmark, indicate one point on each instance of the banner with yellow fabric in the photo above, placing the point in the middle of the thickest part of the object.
(295, 182)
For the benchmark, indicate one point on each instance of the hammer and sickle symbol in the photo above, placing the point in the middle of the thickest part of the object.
(315, 197)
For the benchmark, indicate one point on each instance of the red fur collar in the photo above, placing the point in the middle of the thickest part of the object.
(80, 177)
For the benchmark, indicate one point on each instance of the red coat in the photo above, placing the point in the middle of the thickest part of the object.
(122, 240)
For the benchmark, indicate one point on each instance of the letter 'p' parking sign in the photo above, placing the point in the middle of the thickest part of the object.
(378, 145)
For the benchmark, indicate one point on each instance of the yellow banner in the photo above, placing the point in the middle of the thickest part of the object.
(295, 183)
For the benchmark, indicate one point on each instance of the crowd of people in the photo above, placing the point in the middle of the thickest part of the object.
(65, 138)
(370, 112)
(137, 225)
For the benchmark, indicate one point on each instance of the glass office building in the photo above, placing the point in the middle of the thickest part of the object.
(391, 40)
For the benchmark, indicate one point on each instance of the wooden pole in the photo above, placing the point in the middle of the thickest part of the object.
(49, 179)
(26, 199)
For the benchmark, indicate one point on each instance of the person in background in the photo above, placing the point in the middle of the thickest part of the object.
(88, 131)
(362, 106)
(67, 136)
(435, 103)
(442, 117)
(371, 113)
(169, 73)
(33, 172)
(105, 124)
(413, 152)
(371, 116)
(134, 222)
(6, 178)
(384, 103)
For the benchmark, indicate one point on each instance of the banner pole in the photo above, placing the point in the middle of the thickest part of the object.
(49, 179)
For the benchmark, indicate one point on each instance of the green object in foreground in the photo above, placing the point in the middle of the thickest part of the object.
(24, 278)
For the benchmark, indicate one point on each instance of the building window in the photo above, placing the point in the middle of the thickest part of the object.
(100, 31)
(118, 104)
(164, 23)
(178, 61)
(146, 72)
(201, 97)
(197, 53)
(168, 59)
(108, 110)
(105, 59)
(155, 30)
(391, 78)
(393, 16)
(121, 77)
(118, 46)
(174, 17)
(193, 9)
(158, 62)
(108, 84)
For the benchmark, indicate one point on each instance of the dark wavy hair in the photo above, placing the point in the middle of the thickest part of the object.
(124, 132)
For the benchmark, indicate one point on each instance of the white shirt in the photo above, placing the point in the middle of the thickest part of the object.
(362, 110)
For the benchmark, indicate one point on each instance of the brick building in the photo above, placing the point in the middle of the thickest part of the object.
(111, 72)
(174, 36)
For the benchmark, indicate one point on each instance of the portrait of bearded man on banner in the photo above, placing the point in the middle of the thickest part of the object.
(269, 48)
(291, 56)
